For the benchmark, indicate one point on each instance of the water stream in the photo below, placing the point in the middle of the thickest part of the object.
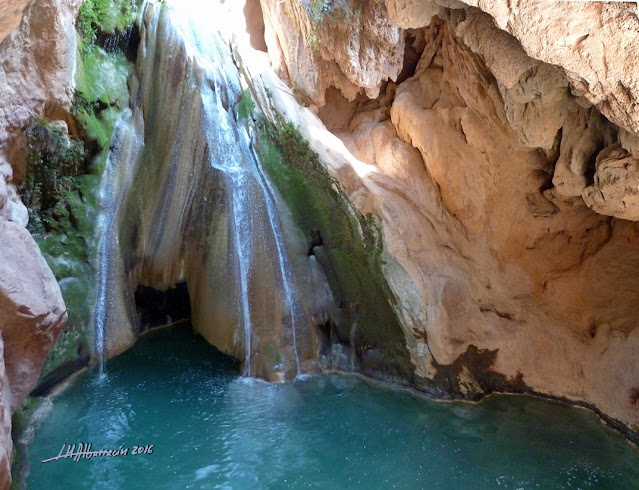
(126, 145)
(190, 150)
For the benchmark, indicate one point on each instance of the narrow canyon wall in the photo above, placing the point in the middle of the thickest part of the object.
(38, 63)
(496, 147)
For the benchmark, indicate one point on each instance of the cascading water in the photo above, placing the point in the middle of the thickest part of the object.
(290, 291)
(192, 203)
(241, 175)
(126, 145)
(105, 226)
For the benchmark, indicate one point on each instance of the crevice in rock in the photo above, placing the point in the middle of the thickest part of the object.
(500, 314)
(127, 41)
(414, 48)
(316, 241)
(160, 308)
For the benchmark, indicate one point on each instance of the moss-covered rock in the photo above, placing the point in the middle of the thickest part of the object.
(108, 16)
(347, 244)
(64, 173)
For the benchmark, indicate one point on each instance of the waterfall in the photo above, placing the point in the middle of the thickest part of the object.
(126, 145)
(290, 291)
(191, 203)
(105, 226)
(239, 173)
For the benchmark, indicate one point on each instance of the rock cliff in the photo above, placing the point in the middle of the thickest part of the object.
(496, 141)
(38, 64)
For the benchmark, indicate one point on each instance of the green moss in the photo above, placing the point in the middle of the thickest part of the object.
(20, 421)
(272, 356)
(101, 92)
(61, 200)
(66, 348)
(245, 106)
(66, 230)
(350, 248)
(108, 16)
(22, 416)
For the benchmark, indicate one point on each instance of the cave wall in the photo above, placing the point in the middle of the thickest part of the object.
(501, 165)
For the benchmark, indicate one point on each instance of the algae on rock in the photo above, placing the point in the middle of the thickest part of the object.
(347, 245)
(65, 229)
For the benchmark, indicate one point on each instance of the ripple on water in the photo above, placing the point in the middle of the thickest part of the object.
(212, 429)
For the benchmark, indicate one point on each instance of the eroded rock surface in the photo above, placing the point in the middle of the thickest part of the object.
(33, 314)
(483, 162)
(38, 64)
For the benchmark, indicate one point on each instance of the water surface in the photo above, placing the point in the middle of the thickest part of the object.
(213, 429)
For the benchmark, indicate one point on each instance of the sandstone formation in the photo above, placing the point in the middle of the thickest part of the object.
(38, 64)
(10, 16)
(498, 149)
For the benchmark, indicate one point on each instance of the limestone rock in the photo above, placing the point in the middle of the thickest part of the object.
(32, 306)
(38, 66)
(345, 44)
(476, 164)
(615, 191)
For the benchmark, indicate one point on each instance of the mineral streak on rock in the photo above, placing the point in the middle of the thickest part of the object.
(500, 156)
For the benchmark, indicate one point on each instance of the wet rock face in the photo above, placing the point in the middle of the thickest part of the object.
(500, 179)
(194, 209)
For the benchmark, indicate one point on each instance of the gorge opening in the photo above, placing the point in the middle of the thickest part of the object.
(317, 192)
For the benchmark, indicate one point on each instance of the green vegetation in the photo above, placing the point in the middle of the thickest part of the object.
(101, 93)
(317, 11)
(60, 196)
(108, 16)
(19, 423)
(64, 173)
(350, 248)
(52, 161)
(245, 106)
(22, 417)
